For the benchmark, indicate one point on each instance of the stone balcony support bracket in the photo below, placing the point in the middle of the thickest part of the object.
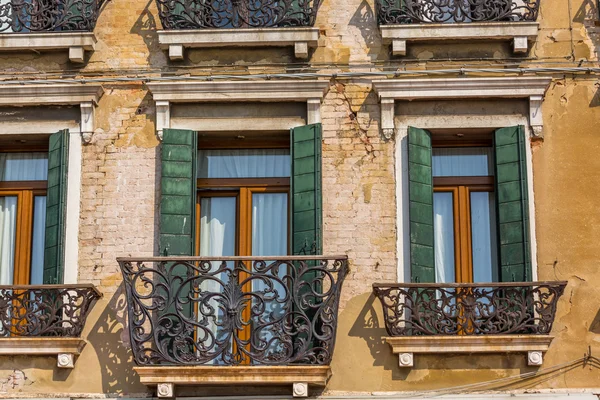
(299, 378)
(521, 34)
(166, 93)
(301, 38)
(75, 42)
(86, 96)
(534, 346)
(65, 350)
(530, 88)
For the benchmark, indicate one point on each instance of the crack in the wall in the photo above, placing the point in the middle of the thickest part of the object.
(15, 380)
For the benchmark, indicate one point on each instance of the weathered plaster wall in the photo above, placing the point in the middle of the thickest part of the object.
(120, 185)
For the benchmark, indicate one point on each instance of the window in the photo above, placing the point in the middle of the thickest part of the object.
(32, 208)
(23, 184)
(468, 207)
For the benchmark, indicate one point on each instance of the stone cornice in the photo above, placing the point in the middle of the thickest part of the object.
(288, 90)
(531, 88)
(75, 42)
(65, 349)
(49, 94)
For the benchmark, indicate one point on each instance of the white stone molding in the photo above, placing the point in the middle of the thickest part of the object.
(301, 38)
(521, 34)
(166, 93)
(86, 96)
(534, 346)
(387, 117)
(65, 349)
(65, 360)
(165, 390)
(531, 88)
(300, 389)
(75, 42)
(406, 359)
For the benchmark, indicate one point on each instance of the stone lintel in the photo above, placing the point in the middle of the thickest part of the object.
(301, 38)
(65, 349)
(75, 42)
(521, 33)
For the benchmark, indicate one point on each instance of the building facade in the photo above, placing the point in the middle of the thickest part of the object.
(412, 182)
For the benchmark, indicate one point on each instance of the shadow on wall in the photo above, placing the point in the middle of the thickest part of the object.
(365, 20)
(147, 28)
(111, 342)
(370, 327)
(588, 15)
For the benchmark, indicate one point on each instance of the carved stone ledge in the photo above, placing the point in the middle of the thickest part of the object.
(65, 349)
(301, 38)
(76, 42)
(300, 377)
(534, 346)
(520, 33)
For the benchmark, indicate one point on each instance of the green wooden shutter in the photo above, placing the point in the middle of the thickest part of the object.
(512, 204)
(420, 189)
(178, 192)
(56, 203)
(307, 218)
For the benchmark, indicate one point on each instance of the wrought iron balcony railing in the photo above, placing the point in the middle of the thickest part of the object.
(46, 310)
(211, 14)
(24, 16)
(469, 309)
(455, 11)
(233, 310)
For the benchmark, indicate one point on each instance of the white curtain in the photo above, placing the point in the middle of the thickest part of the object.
(217, 238)
(243, 163)
(463, 161)
(8, 220)
(37, 243)
(483, 237)
(23, 166)
(443, 230)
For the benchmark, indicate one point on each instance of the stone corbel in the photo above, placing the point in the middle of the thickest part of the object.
(313, 111)
(536, 121)
(163, 117)
(387, 118)
(87, 121)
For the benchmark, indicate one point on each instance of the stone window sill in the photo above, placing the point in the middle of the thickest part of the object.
(176, 40)
(75, 42)
(298, 376)
(407, 346)
(521, 33)
(65, 349)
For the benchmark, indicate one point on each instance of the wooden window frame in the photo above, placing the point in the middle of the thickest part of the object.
(25, 191)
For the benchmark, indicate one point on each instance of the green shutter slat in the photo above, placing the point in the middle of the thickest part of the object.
(420, 189)
(178, 192)
(512, 204)
(305, 190)
(56, 203)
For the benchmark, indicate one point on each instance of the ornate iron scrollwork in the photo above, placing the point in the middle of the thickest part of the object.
(206, 14)
(233, 310)
(469, 309)
(455, 11)
(24, 16)
(47, 310)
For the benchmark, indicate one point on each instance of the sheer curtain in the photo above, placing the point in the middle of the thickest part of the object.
(23, 166)
(37, 243)
(8, 220)
(443, 229)
(483, 237)
(244, 163)
(463, 161)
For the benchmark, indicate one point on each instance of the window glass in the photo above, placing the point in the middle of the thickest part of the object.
(244, 163)
(23, 166)
(463, 161)
(483, 237)
(443, 228)
(8, 229)
(37, 242)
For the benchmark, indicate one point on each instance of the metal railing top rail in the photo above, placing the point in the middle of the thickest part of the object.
(467, 285)
(232, 258)
(54, 286)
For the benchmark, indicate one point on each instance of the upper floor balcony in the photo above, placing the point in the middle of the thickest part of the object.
(49, 25)
(45, 320)
(233, 320)
(469, 317)
(403, 21)
(221, 23)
